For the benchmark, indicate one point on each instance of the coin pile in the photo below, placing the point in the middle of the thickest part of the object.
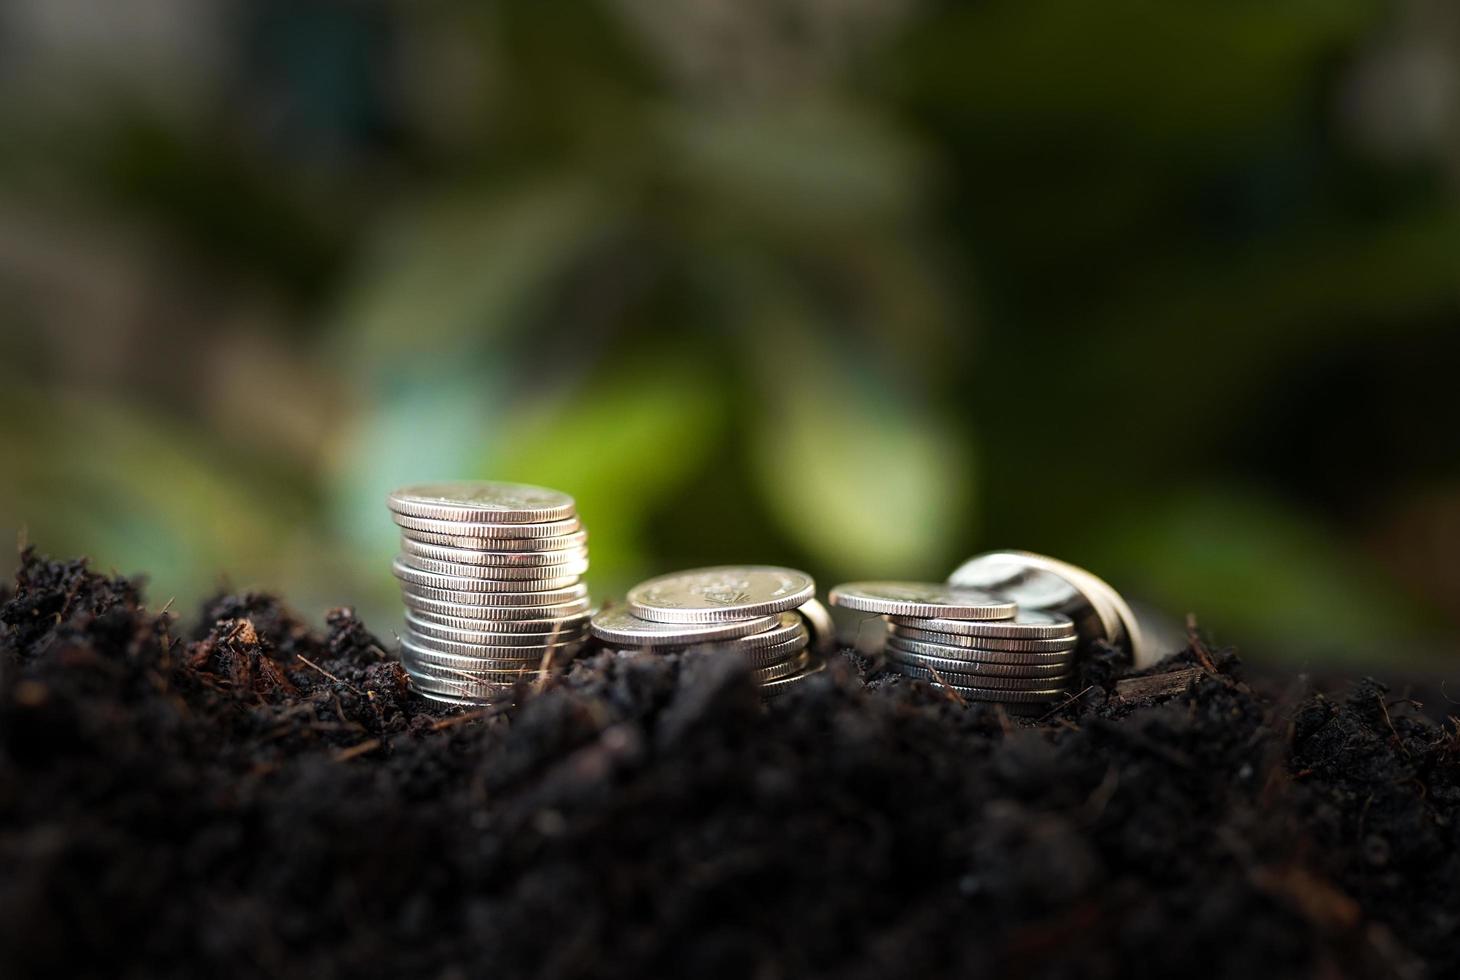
(489, 574)
(765, 614)
(980, 645)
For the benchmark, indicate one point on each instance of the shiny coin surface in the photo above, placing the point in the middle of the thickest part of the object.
(472, 556)
(485, 531)
(423, 628)
(1028, 624)
(771, 672)
(462, 654)
(956, 668)
(619, 625)
(482, 500)
(1066, 645)
(789, 647)
(430, 695)
(820, 625)
(556, 543)
(788, 627)
(715, 595)
(536, 615)
(785, 685)
(467, 688)
(989, 682)
(924, 599)
(422, 620)
(953, 652)
(500, 573)
(471, 583)
(981, 692)
(547, 597)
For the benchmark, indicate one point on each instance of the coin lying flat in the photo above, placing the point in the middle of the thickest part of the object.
(417, 578)
(471, 689)
(422, 620)
(446, 554)
(788, 627)
(922, 599)
(1066, 645)
(1027, 624)
(536, 616)
(785, 685)
(426, 628)
(545, 597)
(464, 654)
(483, 530)
(972, 653)
(619, 625)
(981, 692)
(482, 500)
(957, 668)
(1058, 683)
(784, 668)
(773, 654)
(499, 573)
(465, 542)
(715, 595)
(820, 625)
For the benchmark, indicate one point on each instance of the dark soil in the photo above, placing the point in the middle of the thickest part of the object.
(263, 799)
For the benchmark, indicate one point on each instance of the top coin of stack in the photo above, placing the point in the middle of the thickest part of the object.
(489, 574)
(757, 611)
(978, 644)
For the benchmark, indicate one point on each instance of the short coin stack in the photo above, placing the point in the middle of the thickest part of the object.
(490, 577)
(977, 644)
(758, 612)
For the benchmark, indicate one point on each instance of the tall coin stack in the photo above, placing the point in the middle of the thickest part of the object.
(977, 644)
(489, 574)
(758, 612)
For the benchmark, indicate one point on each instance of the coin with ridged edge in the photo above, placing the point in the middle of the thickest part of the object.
(925, 599)
(981, 692)
(548, 597)
(575, 540)
(945, 665)
(772, 654)
(1027, 624)
(484, 531)
(482, 500)
(1067, 645)
(785, 685)
(526, 625)
(496, 573)
(619, 625)
(785, 668)
(451, 652)
(455, 685)
(990, 682)
(725, 592)
(458, 583)
(788, 627)
(445, 554)
(972, 653)
(422, 627)
(537, 615)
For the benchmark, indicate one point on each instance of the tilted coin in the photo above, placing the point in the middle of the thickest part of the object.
(776, 653)
(1066, 645)
(953, 652)
(957, 668)
(497, 573)
(545, 597)
(619, 625)
(537, 615)
(424, 628)
(785, 685)
(474, 556)
(1028, 624)
(820, 625)
(489, 531)
(557, 543)
(459, 583)
(982, 692)
(422, 619)
(482, 500)
(726, 592)
(921, 599)
(788, 627)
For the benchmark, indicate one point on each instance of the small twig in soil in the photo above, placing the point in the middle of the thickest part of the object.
(1071, 699)
(487, 712)
(1398, 742)
(314, 666)
(360, 748)
(1157, 685)
(1198, 646)
(947, 688)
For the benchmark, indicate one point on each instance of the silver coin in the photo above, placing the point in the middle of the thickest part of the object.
(420, 618)
(715, 595)
(774, 654)
(1028, 624)
(536, 615)
(987, 681)
(785, 685)
(481, 500)
(785, 668)
(419, 579)
(557, 543)
(982, 692)
(788, 627)
(418, 550)
(445, 698)
(500, 573)
(488, 532)
(462, 654)
(952, 652)
(1066, 645)
(820, 625)
(466, 688)
(958, 668)
(923, 599)
(619, 625)
(423, 627)
(544, 597)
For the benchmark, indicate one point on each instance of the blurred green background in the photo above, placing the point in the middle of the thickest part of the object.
(1165, 288)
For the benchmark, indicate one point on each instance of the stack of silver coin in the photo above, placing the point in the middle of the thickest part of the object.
(977, 644)
(490, 577)
(767, 615)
